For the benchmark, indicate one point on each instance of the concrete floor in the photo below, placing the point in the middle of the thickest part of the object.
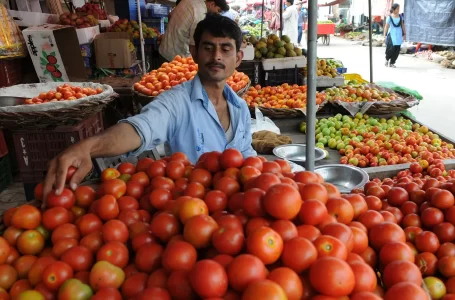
(433, 82)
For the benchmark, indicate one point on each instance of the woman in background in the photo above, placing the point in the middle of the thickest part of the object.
(394, 34)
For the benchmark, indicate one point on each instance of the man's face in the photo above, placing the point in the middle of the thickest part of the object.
(213, 8)
(217, 57)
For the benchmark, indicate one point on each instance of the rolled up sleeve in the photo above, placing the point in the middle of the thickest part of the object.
(156, 123)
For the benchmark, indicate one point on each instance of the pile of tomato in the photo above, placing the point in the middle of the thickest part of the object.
(232, 228)
(179, 70)
(62, 93)
(283, 96)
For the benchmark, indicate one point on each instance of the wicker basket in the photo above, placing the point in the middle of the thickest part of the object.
(144, 100)
(380, 107)
(283, 113)
(53, 113)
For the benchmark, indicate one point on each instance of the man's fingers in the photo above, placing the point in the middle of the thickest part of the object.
(49, 181)
(82, 170)
(62, 170)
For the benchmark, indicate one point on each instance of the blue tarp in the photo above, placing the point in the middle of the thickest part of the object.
(430, 21)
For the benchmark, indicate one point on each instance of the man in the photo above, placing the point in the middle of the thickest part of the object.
(198, 116)
(301, 21)
(178, 38)
(290, 17)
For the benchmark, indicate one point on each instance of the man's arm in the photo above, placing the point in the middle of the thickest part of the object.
(117, 140)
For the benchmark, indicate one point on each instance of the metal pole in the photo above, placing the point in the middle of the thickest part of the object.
(311, 84)
(370, 30)
(281, 17)
(262, 17)
(141, 36)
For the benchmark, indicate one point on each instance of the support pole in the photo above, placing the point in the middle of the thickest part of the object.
(311, 84)
(370, 30)
(141, 36)
(281, 17)
(262, 18)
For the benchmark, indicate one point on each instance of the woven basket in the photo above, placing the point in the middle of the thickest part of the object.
(283, 113)
(54, 113)
(144, 100)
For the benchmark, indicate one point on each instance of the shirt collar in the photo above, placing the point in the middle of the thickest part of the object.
(198, 93)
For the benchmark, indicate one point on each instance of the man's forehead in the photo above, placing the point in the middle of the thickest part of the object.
(208, 38)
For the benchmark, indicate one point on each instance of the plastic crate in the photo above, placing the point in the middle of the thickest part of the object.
(127, 9)
(254, 70)
(278, 77)
(6, 178)
(35, 148)
(10, 72)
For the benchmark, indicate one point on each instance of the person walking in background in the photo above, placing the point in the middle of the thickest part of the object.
(290, 18)
(394, 34)
(299, 5)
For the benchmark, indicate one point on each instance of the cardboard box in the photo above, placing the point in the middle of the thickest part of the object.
(113, 51)
(87, 35)
(55, 53)
(27, 19)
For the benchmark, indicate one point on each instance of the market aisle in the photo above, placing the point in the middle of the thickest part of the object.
(428, 78)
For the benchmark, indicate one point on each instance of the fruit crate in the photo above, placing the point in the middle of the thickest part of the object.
(278, 77)
(10, 72)
(254, 70)
(6, 178)
(35, 148)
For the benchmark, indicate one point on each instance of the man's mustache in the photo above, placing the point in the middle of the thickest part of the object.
(210, 65)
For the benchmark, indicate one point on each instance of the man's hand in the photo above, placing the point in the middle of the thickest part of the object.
(77, 156)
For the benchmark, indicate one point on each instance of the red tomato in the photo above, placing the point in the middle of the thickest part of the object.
(93, 241)
(178, 285)
(384, 233)
(127, 202)
(446, 266)
(115, 187)
(190, 208)
(224, 260)
(406, 290)
(327, 245)
(445, 232)
(25, 217)
(66, 199)
(115, 253)
(8, 276)
(134, 285)
(84, 195)
(264, 288)
(148, 257)
(244, 270)
(431, 217)
(289, 202)
(126, 168)
(266, 244)
(289, 282)
(341, 232)
(365, 277)
(134, 189)
(158, 278)
(65, 231)
(298, 254)
(230, 222)
(208, 279)
(228, 241)
(341, 209)
(23, 265)
(109, 174)
(427, 263)
(19, 287)
(198, 230)
(54, 217)
(227, 185)
(107, 293)
(62, 245)
(446, 249)
(89, 223)
(9, 239)
(427, 241)
(286, 229)
(108, 208)
(332, 276)
(175, 170)
(253, 203)
(231, 158)
(360, 240)
(106, 275)
(443, 199)
(179, 256)
(159, 197)
(395, 251)
(216, 201)
(309, 232)
(55, 274)
(401, 271)
(358, 203)
(313, 191)
(79, 258)
(115, 230)
(30, 242)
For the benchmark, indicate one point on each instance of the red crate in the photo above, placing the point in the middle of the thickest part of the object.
(324, 28)
(10, 72)
(3, 147)
(35, 148)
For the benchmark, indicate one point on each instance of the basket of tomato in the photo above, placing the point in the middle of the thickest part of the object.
(51, 104)
(280, 102)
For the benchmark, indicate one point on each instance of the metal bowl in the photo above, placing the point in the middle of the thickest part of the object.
(344, 177)
(296, 153)
(11, 101)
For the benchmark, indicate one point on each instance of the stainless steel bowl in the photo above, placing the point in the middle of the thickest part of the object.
(344, 177)
(11, 101)
(296, 153)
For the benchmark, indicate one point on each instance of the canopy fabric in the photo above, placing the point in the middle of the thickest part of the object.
(430, 22)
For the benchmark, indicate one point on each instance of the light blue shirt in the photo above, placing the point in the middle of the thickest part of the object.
(185, 118)
(396, 33)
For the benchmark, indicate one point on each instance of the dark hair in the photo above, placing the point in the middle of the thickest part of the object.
(177, 2)
(218, 26)
(221, 4)
(394, 6)
(290, 1)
